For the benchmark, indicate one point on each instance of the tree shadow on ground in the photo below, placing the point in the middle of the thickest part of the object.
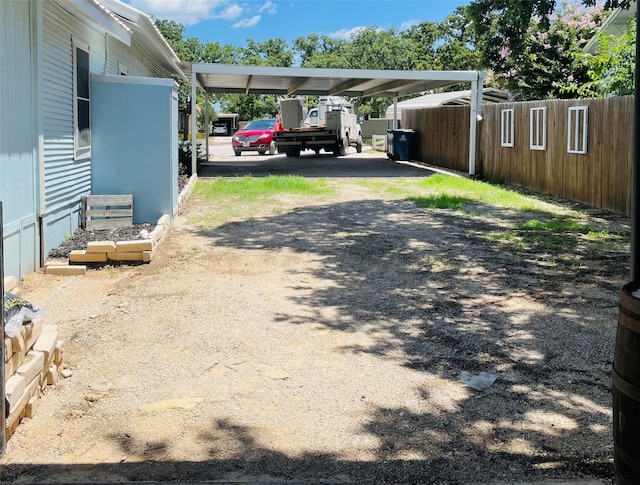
(440, 297)
(434, 295)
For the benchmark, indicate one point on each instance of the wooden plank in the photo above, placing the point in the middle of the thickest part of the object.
(107, 224)
(102, 200)
(93, 213)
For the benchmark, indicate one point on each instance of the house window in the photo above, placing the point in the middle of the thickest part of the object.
(506, 127)
(577, 130)
(122, 69)
(538, 129)
(81, 102)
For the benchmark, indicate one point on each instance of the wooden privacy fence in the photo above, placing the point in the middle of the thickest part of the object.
(442, 135)
(600, 177)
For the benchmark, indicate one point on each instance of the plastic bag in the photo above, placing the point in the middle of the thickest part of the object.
(17, 312)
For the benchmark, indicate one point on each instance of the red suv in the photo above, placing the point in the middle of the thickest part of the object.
(257, 136)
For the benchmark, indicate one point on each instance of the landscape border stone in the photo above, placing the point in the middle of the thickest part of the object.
(120, 252)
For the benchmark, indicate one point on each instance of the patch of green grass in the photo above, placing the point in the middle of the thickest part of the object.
(555, 225)
(606, 235)
(502, 236)
(246, 196)
(480, 191)
(397, 187)
(441, 201)
(250, 189)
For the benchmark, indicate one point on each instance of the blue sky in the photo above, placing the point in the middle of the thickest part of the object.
(234, 21)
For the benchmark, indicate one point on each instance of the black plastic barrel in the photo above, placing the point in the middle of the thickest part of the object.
(399, 144)
(626, 387)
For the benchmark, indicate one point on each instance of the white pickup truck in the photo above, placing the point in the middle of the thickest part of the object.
(333, 129)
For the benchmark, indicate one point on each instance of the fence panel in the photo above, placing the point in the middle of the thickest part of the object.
(601, 177)
(442, 135)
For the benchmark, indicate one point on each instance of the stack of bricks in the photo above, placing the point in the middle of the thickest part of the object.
(32, 360)
(112, 252)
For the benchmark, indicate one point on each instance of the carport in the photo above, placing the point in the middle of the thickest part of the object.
(292, 81)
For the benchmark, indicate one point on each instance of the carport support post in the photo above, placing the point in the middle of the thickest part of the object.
(194, 125)
(473, 124)
(206, 124)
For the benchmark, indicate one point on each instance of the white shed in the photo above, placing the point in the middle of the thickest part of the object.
(452, 98)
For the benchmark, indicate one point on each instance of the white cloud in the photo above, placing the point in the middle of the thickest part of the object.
(187, 12)
(269, 7)
(248, 22)
(232, 12)
(409, 23)
(345, 34)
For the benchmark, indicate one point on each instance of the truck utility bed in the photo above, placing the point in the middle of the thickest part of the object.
(308, 135)
(294, 140)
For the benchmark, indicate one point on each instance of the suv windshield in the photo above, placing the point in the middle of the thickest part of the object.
(260, 125)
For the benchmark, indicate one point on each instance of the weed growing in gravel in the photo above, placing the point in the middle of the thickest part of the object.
(111, 271)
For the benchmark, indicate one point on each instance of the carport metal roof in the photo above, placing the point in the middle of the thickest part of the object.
(291, 81)
(225, 78)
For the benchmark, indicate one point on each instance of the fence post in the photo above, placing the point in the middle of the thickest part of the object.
(635, 172)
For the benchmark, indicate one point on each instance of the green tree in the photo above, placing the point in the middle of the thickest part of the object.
(546, 58)
(456, 43)
(502, 28)
(274, 52)
(322, 52)
(419, 42)
(611, 70)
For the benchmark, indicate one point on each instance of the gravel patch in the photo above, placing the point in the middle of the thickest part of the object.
(331, 340)
(81, 237)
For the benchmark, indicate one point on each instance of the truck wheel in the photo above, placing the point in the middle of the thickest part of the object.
(272, 149)
(359, 144)
(344, 147)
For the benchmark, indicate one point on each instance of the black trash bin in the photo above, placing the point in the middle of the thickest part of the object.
(399, 144)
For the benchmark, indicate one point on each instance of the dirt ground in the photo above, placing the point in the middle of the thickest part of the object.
(323, 340)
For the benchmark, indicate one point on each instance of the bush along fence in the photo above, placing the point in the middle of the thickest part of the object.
(579, 149)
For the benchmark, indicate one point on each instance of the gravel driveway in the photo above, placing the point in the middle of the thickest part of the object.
(331, 339)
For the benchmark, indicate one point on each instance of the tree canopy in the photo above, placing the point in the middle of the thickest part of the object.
(532, 48)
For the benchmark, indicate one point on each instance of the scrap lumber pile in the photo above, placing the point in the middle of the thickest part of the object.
(32, 359)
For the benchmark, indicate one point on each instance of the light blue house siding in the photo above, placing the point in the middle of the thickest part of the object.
(18, 139)
(66, 180)
(41, 184)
